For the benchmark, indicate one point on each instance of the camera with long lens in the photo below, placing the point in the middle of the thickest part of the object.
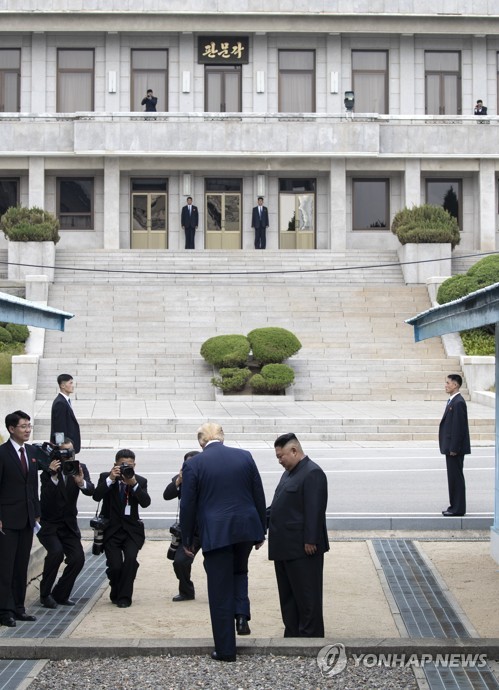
(176, 533)
(46, 452)
(127, 471)
(98, 524)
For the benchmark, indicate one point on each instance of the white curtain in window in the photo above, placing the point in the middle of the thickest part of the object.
(296, 93)
(75, 92)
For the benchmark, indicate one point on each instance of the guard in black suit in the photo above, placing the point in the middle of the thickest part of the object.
(19, 513)
(480, 108)
(124, 536)
(454, 441)
(260, 221)
(298, 539)
(63, 419)
(60, 534)
(189, 220)
(222, 494)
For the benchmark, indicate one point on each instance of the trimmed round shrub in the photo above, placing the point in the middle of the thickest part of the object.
(18, 331)
(274, 378)
(231, 379)
(273, 345)
(477, 342)
(426, 223)
(226, 350)
(486, 271)
(5, 336)
(21, 224)
(455, 288)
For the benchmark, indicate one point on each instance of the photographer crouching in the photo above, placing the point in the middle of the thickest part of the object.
(61, 483)
(122, 492)
(182, 562)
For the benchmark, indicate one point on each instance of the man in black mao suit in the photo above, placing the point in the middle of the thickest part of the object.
(260, 221)
(63, 419)
(222, 493)
(124, 536)
(60, 534)
(298, 539)
(454, 441)
(19, 512)
(189, 220)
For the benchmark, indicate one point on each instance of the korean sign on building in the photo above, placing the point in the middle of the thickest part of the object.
(223, 50)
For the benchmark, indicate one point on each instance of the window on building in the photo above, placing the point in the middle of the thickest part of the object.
(297, 81)
(10, 80)
(9, 194)
(445, 193)
(370, 80)
(149, 71)
(443, 82)
(75, 203)
(222, 89)
(75, 80)
(371, 206)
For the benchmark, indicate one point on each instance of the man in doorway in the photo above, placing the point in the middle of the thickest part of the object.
(260, 221)
(189, 221)
(480, 108)
(454, 441)
(149, 101)
(63, 419)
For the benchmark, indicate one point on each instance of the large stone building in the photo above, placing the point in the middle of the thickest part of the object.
(250, 101)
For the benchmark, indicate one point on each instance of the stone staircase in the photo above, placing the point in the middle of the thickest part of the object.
(141, 317)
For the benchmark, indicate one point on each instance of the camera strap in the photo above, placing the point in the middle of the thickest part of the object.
(97, 509)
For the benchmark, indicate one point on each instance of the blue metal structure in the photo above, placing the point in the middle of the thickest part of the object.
(18, 310)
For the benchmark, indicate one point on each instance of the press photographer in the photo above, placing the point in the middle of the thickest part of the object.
(61, 482)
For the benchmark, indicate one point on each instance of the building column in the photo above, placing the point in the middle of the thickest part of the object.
(338, 204)
(487, 206)
(112, 79)
(38, 73)
(412, 183)
(186, 52)
(334, 94)
(407, 104)
(36, 182)
(479, 72)
(112, 203)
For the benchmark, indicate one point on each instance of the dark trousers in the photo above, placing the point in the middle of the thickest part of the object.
(15, 549)
(62, 544)
(227, 575)
(189, 237)
(182, 565)
(457, 486)
(122, 565)
(300, 595)
(260, 238)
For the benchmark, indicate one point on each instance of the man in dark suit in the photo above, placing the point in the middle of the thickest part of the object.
(122, 492)
(60, 534)
(454, 441)
(189, 220)
(260, 221)
(298, 539)
(222, 494)
(480, 108)
(63, 419)
(182, 562)
(19, 513)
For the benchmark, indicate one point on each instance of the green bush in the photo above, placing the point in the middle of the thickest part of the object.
(426, 223)
(478, 342)
(273, 345)
(18, 331)
(274, 378)
(21, 224)
(231, 379)
(5, 336)
(486, 271)
(226, 350)
(455, 288)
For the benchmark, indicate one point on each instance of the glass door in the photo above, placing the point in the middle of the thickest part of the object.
(223, 220)
(149, 215)
(297, 221)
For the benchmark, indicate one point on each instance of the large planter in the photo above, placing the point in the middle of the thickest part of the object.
(425, 260)
(30, 259)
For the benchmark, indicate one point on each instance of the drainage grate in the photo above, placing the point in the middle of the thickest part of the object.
(460, 678)
(12, 673)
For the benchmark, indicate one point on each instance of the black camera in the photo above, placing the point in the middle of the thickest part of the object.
(176, 533)
(46, 452)
(98, 524)
(127, 471)
(71, 468)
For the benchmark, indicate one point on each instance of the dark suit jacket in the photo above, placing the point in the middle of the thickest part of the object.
(19, 504)
(113, 508)
(256, 222)
(63, 419)
(222, 493)
(454, 433)
(189, 220)
(58, 502)
(482, 111)
(298, 512)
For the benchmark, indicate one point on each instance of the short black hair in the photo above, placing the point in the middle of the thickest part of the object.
(284, 439)
(457, 378)
(260, 197)
(124, 453)
(190, 454)
(62, 378)
(14, 418)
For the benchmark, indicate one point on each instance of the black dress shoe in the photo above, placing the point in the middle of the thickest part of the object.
(67, 602)
(48, 602)
(242, 627)
(124, 603)
(24, 617)
(223, 657)
(449, 513)
(8, 621)
(182, 597)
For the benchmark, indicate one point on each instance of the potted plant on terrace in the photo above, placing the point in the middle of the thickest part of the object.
(32, 234)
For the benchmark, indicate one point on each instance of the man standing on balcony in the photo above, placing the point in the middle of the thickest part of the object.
(189, 221)
(260, 221)
(63, 419)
